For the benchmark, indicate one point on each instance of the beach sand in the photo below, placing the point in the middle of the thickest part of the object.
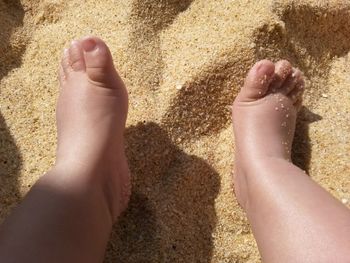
(184, 62)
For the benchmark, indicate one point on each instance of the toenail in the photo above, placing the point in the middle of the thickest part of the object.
(89, 45)
(65, 52)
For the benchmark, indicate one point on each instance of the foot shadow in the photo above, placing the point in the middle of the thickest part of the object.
(171, 216)
(11, 17)
(301, 151)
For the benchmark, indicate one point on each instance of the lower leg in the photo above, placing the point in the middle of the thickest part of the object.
(293, 219)
(64, 218)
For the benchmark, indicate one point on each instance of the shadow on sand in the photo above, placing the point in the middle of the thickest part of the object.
(301, 151)
(11, 17)
(171, 215)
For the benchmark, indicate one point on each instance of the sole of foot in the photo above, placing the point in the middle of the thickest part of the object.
(91, 114)
(264, 117)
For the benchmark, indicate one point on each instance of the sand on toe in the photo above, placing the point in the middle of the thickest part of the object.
(183, 62)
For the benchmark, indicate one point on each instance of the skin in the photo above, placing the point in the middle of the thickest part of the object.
(293, 219)
(68, 215)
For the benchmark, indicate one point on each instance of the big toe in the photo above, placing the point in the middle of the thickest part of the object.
(98, 60)
(257, 81)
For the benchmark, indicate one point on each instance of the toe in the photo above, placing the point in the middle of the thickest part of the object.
(257, 81)
(291, 82)
(65, 64)
(296, 94)
(61, 75)
(283, 70)
(98, 59)
(65, 61)
(76, 56)
(298, 104)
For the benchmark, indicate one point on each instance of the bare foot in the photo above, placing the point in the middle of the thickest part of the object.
(91, 115)
(264, 117)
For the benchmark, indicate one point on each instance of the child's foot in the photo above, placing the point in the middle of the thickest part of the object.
(264, 117)
(91, 115)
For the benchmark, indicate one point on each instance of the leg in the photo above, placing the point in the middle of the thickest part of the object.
(293, 219)
(68, 214)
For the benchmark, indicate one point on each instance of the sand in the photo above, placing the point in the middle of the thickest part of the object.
(183, 62)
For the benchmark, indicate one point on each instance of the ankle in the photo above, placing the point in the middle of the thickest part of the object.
(111, 178)
(240, 186)
(86, 182)
(248, 174)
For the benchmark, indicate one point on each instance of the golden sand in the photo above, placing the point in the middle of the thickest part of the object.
(183, 62)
